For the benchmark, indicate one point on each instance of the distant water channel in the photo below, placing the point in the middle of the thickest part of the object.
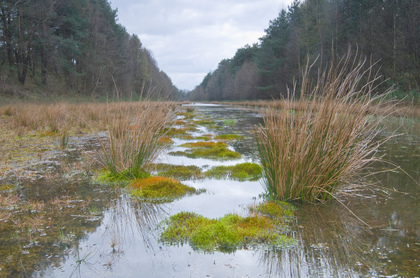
(121, 238)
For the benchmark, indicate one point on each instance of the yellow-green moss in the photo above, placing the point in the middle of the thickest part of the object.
(243, 171)
(229, 122)
(120, 179)
(206, 122)
(211, 150)
(7, 187)
(229, 137)
(175, 131)
(207, 145)
(165, 140)
(226, 234)
(187, 115)
(180, 172)
(180, 122)
(274, 209)
(161, 189)
(204, 138)
(215, 153)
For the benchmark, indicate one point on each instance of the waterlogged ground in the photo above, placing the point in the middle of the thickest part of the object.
(56, 223)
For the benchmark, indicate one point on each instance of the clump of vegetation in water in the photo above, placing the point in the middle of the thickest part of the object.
(229, 122)
(161, 189)
(229, 137)
(228, 233)
(205, 122)
(243, 171)
(187, 115)
(179, 172)
(309, 155)
(165, 140)
(206, 145)
(274, 209)
(175, 132)
(210, 150)
(121, 179)
(180, 122)
(204, 137)
(133, 146)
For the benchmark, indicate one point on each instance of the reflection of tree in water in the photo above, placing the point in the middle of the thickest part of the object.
(45, 222)
(130, 217)
(331, 243)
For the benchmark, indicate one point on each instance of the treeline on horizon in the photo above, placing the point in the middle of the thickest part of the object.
(74, 47)
(383, 31)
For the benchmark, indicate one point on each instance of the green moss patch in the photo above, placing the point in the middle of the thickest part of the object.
(226, 234)
(179, 172)
(166, 141)
(161, 189)
(205, 122)
(203, 138)
(274, 209)
(7, 187)
(211, 150)
(180, 122)
(175, 132)
(206, 145)
(229, 137)
(106, 177)
(229, 122)
(241, 172)
(187, 115)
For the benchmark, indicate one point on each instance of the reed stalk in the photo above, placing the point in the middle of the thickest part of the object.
(133, 144)
(309, 153)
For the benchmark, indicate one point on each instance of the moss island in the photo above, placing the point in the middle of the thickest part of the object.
(265, 225)
(161, 189)
(212, 150)
(242, 172)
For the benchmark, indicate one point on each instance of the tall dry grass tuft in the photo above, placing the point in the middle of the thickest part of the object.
(309, 153)
(133, 144)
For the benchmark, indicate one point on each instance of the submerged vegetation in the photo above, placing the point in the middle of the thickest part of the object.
(232, 231)
(310, 154)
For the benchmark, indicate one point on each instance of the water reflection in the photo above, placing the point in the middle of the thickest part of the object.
(331, 243)
(127, 231)
(129, 218)
(123, 242)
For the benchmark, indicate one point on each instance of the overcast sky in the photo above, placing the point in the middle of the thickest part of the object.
(188, 38)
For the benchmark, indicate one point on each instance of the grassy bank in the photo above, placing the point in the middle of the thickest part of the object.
(129, 133)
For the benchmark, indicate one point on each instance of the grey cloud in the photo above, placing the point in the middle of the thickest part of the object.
(189, 38)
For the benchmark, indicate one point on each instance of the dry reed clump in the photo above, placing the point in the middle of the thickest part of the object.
(309, 153)
(133, 144)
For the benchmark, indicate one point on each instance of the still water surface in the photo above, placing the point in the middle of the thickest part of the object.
(120, 238)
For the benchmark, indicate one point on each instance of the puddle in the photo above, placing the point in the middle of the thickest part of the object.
(74, 228)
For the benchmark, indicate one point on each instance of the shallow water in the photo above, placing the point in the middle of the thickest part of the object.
(101, 232)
